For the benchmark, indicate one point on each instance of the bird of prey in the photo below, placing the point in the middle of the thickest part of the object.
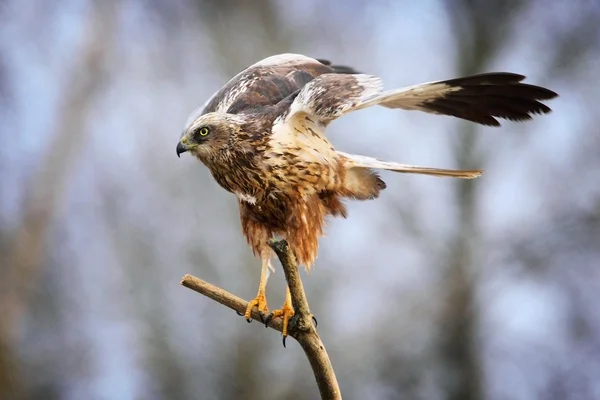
(263, 138)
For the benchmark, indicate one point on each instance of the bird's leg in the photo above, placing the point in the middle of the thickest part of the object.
(260, 301)
(285, 312)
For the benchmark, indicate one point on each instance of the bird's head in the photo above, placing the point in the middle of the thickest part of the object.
(208, 134)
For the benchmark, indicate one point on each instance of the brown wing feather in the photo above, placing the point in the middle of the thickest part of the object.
(268, 82)
(330, 96)
(339, 69)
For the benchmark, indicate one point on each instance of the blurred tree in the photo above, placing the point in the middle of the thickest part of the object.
(481, 29)
(28, 254)
(137, 224)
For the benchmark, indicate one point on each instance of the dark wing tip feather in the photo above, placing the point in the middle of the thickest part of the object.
(338, 69)
(485, 97)
(493, 78)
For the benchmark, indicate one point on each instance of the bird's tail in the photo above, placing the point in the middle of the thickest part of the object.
(358, 161)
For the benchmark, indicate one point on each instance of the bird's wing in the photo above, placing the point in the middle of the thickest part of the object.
(329, 96)
(267, 82)
(479, 98)
(302, 116)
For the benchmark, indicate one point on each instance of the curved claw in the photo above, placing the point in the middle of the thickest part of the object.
(260, 302)
(315, 321)
(241, 315)
(284, 341)
(268, 319)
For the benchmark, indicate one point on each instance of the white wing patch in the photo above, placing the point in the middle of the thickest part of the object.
(234, 93)
(301, 128)
(246, 197)
(330, 96)
(284, 59)
(411, 97)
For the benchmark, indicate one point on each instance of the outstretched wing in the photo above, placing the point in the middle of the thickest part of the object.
(303, 115)
(267, 82)
(478, 98)
(330, 96)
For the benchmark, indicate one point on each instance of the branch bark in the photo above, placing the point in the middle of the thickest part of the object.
(301, 327)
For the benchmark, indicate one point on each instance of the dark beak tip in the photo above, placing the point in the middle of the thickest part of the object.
(180, 149)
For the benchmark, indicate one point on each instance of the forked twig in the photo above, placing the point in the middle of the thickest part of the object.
(300, 328)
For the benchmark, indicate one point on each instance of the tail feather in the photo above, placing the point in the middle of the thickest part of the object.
(358, 161)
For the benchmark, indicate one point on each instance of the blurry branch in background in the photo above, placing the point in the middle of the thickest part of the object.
(480, 28)
(47, 188)
(301, 327)
(222, 19)
(575, 45)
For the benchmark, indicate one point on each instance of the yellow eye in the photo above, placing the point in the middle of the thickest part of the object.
(203, 131)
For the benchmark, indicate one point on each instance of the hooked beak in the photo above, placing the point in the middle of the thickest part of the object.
(181, 148)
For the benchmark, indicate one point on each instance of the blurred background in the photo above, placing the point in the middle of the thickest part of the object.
(441, 289)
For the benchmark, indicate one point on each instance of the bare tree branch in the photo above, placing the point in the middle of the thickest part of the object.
(300, 328)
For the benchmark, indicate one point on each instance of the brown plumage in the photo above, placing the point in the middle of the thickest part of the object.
(262, 136)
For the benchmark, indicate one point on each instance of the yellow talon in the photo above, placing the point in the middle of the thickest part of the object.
(285, 312)
(260, 301)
